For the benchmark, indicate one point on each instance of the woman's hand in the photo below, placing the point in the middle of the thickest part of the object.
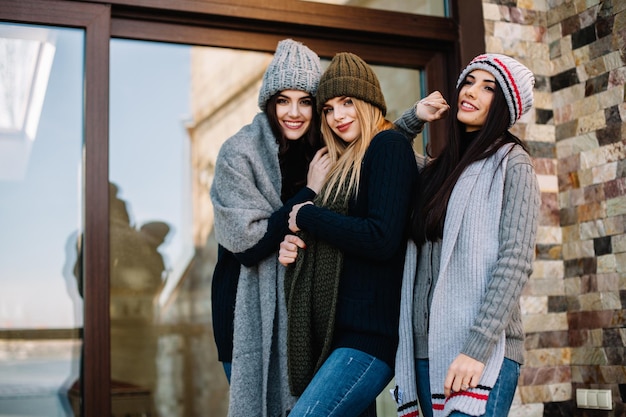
(432, 107)
(464, 373)
(318, 169)
(293, 226)
(289, 249)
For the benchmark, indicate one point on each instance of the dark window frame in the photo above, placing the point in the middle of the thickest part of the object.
(94, 19)
(435, 45)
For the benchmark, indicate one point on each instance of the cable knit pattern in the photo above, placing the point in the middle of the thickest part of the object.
(499, 314)
(405, 393)
(372, 239)
(469, 251)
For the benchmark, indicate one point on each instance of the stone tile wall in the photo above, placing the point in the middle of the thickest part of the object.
(574, 305)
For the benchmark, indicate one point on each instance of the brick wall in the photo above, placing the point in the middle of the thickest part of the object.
(574, 304)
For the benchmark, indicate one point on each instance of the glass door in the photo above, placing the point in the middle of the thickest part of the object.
(41, 140)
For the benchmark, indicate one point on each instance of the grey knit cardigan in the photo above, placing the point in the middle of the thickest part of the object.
(494, 213)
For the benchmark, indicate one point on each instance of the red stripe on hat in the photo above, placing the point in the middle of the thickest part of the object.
(478, 58)
(518, 97)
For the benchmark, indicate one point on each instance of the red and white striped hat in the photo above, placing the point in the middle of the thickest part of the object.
(515, 80)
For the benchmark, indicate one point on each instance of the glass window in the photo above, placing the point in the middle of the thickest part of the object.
(424, 7)
(402, 88)
(149, 212)
(41, 138)
(171, 108)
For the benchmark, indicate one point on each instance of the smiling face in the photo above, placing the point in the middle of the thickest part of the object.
(475, 99)
(341, 117)
(294, 111)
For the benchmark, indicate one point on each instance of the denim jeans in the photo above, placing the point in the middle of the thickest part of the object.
(227, 367)
(500, 398)
(345, 385)
(423, 387)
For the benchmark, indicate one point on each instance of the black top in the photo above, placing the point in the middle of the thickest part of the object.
(373, 240)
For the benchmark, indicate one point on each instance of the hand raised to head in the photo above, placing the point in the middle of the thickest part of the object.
(318, 169)
(432, 107)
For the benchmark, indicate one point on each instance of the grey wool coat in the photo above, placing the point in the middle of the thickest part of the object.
(245, 192)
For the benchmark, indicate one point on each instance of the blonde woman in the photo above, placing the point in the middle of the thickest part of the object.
(343, 289)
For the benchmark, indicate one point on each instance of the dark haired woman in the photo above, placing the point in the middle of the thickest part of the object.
(475, 222)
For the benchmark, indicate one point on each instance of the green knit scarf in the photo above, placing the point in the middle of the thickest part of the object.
(311, 288)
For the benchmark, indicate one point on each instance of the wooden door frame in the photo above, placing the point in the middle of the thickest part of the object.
(429, 43)
(94, 19)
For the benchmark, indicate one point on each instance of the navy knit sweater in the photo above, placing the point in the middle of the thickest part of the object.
(372, 238)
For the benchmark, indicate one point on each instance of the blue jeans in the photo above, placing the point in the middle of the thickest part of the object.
(345, 385)
(500, 398)
(423, 387)
(227, 367)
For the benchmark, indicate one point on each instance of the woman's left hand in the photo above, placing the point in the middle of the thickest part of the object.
(464, 373)
(293, 226)
(432, 107)
(289, 249)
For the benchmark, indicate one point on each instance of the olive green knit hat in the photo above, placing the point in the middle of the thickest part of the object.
(350, 76)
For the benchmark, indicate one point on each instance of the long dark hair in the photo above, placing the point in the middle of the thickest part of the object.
(294, 156)
(441, 174)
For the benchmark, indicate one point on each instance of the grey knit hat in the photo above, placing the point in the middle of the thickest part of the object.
(294, 67)
(515, 80)
(350, 76)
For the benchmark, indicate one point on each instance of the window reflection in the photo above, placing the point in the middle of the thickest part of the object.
(28, 54)
(41, 128)
(162, 348)
(423, 7)
(171, 108)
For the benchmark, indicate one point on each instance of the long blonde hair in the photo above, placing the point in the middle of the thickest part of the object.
(346, 158)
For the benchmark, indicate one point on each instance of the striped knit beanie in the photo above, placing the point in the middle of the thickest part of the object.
(294, 67)
(350, 76)
(515, 80)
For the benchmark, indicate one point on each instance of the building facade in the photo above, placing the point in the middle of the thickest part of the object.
(142, 334)
(574, 303)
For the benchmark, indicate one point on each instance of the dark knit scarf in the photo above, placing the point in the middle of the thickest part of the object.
(311, 289)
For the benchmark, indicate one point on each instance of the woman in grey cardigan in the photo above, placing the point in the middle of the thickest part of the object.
(475, 221)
